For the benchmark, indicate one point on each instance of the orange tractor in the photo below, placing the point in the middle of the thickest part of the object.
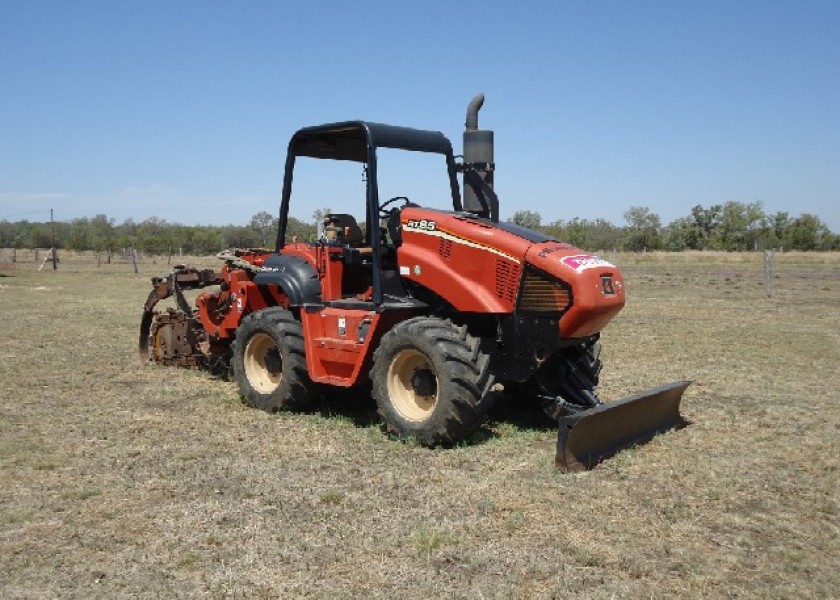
(432, 307)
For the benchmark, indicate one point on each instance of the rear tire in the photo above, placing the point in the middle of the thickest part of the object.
(431, 380)
(269, 361)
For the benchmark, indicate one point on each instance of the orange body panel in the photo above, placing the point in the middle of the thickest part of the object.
(594, 303)
(330, 269)
(221, 312)
(339, 343)
(335, 347)
(477, 267)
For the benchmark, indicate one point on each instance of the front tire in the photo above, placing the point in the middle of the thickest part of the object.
(431, 380)
(269, 361)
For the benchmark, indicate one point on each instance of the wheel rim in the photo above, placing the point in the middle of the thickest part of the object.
(412, 385)
(263, 364)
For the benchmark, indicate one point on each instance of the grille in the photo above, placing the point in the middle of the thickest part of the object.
(445, 248)
(541, 293)
(507, 278)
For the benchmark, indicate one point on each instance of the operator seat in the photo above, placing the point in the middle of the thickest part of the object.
(343, 228)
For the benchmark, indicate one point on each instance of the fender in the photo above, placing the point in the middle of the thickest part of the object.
(294, 275)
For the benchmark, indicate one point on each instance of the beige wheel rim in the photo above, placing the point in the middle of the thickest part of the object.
(263, 365)
(410, 370)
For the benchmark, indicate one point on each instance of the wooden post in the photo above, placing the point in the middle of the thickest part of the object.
(98, 259)
(134, 259)
(54, 253)
(14, 255)
(768, 273)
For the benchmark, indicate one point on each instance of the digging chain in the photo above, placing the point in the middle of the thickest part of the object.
(233, 256)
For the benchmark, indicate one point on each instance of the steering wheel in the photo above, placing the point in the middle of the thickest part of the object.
(384, 214)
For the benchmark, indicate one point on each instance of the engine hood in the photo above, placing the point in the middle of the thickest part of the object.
(478, 266)
(597, 285)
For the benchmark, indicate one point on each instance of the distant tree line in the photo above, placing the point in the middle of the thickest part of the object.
(151, 236)
(731, 226)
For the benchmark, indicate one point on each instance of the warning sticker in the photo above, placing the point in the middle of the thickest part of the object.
(581, 262)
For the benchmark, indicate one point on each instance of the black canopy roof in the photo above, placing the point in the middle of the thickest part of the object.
(349, 140)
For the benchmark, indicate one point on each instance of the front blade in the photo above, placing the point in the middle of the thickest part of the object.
(588, 437)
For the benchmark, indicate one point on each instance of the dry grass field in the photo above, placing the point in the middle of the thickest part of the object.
(122, 479)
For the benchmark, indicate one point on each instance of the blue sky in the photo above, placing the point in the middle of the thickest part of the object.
(182, 110)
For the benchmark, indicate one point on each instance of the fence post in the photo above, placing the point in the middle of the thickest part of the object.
(768, 273)
(134, 259)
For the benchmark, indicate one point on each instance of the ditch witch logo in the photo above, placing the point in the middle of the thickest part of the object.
(581, 262)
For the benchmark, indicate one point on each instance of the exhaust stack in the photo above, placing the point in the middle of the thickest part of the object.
(478, 165)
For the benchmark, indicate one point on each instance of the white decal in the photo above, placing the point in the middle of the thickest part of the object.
(405, 271)
(421, 224)
(581, 262)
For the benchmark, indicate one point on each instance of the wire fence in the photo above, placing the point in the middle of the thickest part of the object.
(41, 259)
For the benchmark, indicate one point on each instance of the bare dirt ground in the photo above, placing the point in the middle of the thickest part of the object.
(122, 479)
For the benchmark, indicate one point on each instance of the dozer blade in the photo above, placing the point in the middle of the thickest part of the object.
(590, 436)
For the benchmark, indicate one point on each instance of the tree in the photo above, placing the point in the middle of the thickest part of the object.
(705, 222)
(126, 234)
(597, 235)
(80, 235)
(740, 226)
(643, 229)
(319, 213)
(235, 236)
(526, 218)
(153, 236)
(318, 216)
(808, 233)
(679, 235)
(10, 234)
(780, 222)
(304, 232)
(103, 236)
(576, 232)
(265, 226)
(207, 240)
(37, 235)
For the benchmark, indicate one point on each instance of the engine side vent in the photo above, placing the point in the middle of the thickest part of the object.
(445, 248)
(507, 278)
(541, 293)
